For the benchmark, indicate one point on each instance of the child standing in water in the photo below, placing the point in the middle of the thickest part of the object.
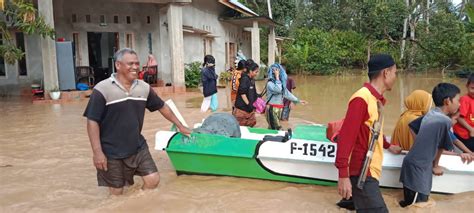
(464, 128)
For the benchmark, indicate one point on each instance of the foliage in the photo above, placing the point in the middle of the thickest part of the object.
(225, 76)
(446, 44)
(22, 16)
(320, 52)
(192, 74)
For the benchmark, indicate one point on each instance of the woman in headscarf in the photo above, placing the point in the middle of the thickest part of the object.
(276, 92)
(417, 104)
(209, 84)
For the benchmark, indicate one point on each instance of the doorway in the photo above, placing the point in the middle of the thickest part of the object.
(102, 46)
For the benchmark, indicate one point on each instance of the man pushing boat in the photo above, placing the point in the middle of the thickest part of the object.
(356, 132)
(115, 114)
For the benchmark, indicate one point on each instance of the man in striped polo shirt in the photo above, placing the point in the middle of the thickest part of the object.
(115, 114)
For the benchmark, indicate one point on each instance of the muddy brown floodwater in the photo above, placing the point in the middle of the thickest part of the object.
(46, 159)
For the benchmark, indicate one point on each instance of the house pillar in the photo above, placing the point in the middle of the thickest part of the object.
(48, 47)
(256, 43)
(175, 33)
(271, 46)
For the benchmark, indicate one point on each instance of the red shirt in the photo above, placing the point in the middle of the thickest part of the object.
(466, 111)
(353, 139)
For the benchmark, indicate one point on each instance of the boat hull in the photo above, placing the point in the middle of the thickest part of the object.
(298, 160)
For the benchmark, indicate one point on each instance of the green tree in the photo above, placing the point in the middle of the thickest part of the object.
(20, 15)
(446, 44)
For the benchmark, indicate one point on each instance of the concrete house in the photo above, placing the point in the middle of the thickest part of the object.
(175, 32)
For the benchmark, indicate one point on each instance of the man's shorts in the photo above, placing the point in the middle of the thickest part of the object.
(369, 199)
(120, 172)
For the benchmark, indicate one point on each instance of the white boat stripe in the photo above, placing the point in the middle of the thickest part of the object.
(125, 99)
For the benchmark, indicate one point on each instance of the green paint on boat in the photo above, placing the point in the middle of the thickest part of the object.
(310, 132)
(220, 155)
(262, 131)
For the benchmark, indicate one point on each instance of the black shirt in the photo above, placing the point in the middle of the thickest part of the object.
(209, 81)
(120, 115)
(247, 87)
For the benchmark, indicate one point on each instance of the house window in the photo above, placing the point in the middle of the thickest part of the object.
(129, 40)
(129, 20)
(88, 18)
(150, 44)
(116, 19)
(148, 20)
(102, 19)
(77, 53)
(207, 46)
(20, 44)
(74, 18)
(3, 71)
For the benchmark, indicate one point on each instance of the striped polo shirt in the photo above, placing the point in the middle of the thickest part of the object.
(120, 114)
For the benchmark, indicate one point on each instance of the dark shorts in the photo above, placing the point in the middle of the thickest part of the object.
(120, 172)
(369, 199)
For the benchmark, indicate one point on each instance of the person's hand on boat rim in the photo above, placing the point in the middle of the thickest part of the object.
(438, 170)
(184, 130)
(466, 157)
(395, 149)
(344, 187)
(100, 161)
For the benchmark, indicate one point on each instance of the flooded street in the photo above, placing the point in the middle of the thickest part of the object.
(46, 159)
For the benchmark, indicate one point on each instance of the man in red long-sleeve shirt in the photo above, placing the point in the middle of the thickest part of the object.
(355, 134)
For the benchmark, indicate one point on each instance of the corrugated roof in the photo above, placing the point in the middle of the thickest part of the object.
(236, 5)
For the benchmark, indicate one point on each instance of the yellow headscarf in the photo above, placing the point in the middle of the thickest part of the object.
(417, 104)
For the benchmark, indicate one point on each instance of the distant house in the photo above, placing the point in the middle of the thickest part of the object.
(175, 32)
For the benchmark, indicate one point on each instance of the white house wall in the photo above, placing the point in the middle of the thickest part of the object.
(204, 14)
(12, 82)
(201, 14)
(138, 27)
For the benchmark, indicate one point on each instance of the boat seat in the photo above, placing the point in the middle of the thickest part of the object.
(278, 138)
(275, 138)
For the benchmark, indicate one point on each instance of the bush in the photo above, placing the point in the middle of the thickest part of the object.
(320, 52)
(192, 74)
(225, 76)
(447, 44)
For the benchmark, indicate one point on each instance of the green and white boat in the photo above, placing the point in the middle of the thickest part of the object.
(308, 157)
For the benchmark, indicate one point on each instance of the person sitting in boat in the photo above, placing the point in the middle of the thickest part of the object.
(244, 110)
(276, 91)
(464, 129)
(235, 80)
(355, 134)
(417, 104)
(432, 139)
